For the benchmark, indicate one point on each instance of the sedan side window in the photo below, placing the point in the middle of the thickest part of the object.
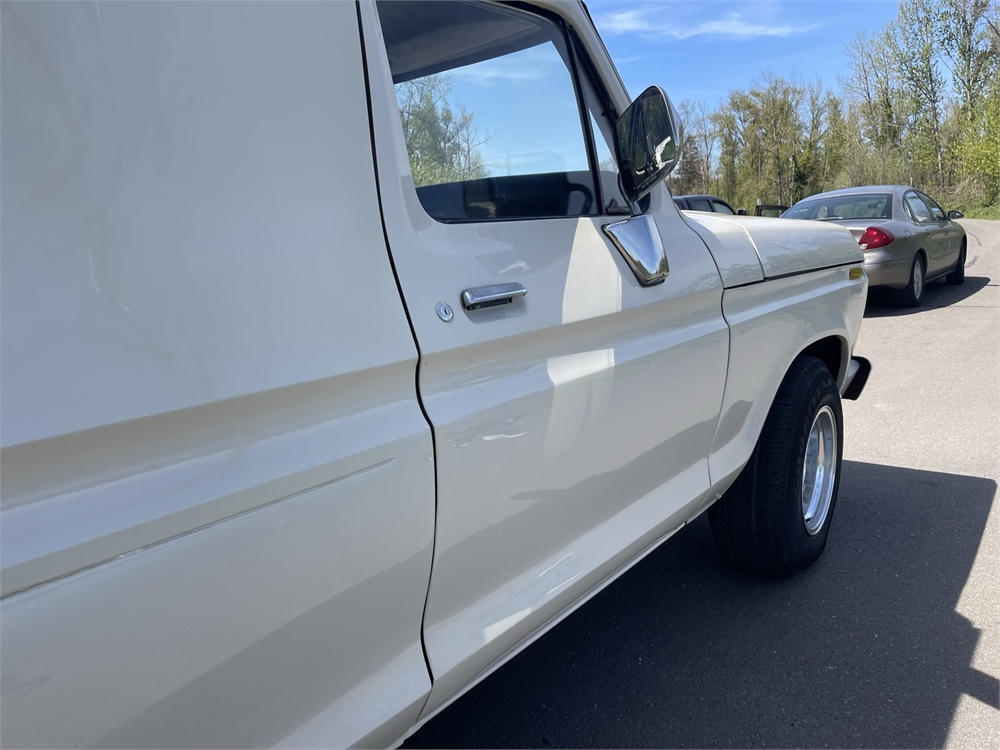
(489, 111)
(935, 209)
(917, 209)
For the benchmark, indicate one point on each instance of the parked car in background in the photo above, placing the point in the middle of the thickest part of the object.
(304, 431)
(907, 238)
(712, 203)
(769, 209)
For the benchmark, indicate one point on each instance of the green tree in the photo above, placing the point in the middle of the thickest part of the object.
(689, 176)
(873, 84)
(920, 106)
(771, 140)
(964, 33)
(979, 149)
(836, 141)
(916, 55)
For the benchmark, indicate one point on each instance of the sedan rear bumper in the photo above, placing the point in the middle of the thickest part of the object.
(891, 273)
(857, 375)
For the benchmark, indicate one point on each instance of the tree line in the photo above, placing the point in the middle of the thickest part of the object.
(919, 106)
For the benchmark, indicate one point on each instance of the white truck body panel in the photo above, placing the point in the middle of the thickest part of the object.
(770, 325)
(550, 386)
(786, 246)
(192, 406)
(731, 246)
(235, 431)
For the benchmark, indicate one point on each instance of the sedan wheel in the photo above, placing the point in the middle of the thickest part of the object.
(913, 294)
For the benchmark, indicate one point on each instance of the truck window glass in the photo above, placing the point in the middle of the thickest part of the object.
(607, 168)
(489, 111)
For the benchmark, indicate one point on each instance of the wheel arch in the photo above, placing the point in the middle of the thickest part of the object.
(762, 523)
(773, 325)
(833, 351)
(963, 251)
(726, 463)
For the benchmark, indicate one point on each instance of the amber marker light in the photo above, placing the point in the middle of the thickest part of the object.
(855, 273)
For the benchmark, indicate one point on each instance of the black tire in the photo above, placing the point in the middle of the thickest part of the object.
(759, 523)
(913, 294)
(957, 276)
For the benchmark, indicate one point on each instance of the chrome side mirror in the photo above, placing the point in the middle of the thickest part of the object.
(647, 142)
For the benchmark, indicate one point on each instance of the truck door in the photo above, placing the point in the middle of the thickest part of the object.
(572, 424)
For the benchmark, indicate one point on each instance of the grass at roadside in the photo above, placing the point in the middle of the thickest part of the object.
(989, 212)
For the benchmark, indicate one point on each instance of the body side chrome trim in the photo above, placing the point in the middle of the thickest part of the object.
(639, 242)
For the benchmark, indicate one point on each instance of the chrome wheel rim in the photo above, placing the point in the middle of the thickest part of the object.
(918, 279)
(819, 470)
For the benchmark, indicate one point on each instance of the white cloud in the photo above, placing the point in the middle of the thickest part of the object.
(732, 26)
(532, 64)
(622, 22)
(486, 73)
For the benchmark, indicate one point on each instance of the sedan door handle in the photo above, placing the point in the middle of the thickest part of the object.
(479, 297)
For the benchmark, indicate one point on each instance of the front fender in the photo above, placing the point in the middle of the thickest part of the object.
(771, 323)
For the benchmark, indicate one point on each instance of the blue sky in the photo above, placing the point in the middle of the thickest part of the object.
(524, 103)
(701, 50)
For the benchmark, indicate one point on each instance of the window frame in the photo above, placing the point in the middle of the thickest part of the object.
(584, 111)
(587, 71)
(575, 56)
(608, 109)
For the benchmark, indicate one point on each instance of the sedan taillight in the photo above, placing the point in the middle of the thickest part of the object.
(875, 237)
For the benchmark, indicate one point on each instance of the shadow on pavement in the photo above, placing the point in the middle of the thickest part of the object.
(937, 294)
(865, 649)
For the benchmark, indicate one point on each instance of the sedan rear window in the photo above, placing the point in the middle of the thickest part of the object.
(835, 208)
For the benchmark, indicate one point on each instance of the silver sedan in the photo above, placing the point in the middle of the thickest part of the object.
(906, 237)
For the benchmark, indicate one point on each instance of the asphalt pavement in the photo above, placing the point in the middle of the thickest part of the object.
(891, 640)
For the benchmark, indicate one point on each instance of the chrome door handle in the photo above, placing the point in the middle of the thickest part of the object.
(487, 296)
